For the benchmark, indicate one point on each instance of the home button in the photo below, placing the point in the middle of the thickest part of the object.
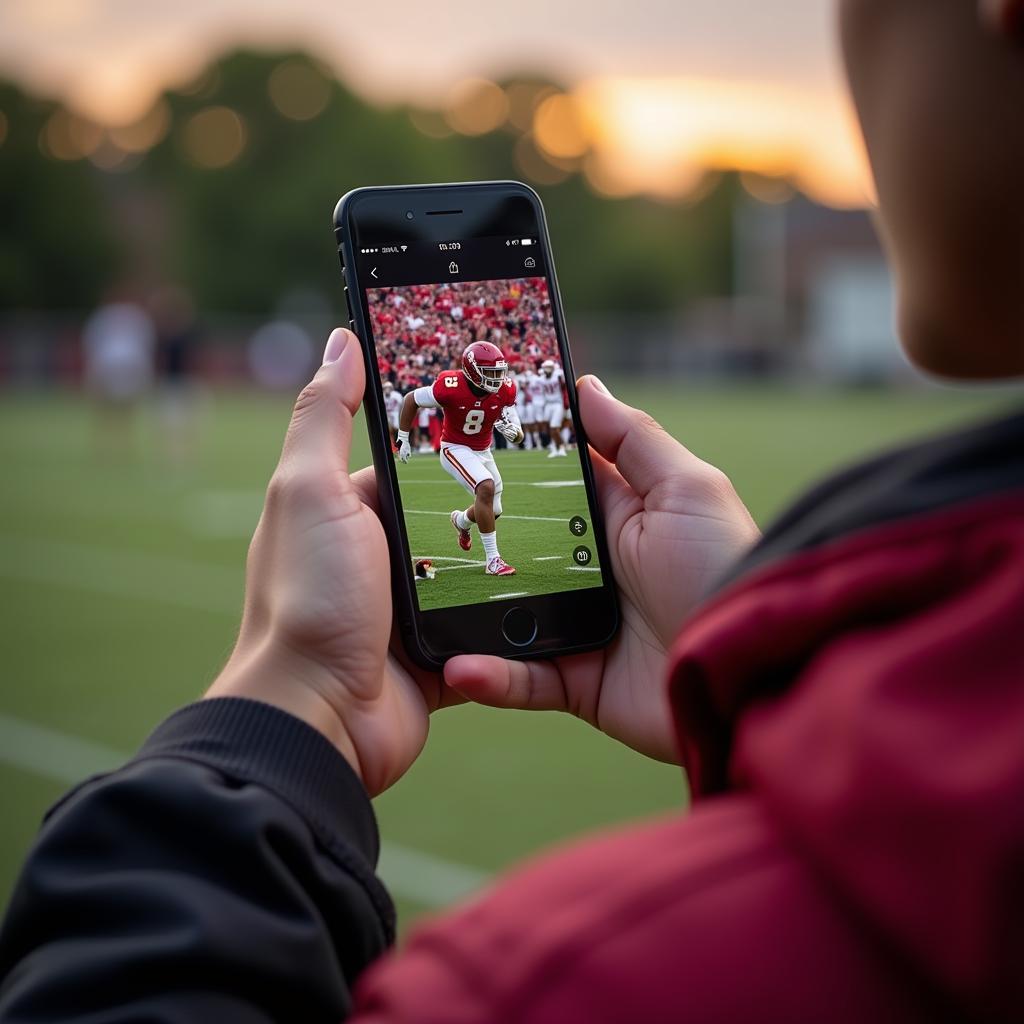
(519, 627)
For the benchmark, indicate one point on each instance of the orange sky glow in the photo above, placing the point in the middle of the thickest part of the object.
(659, 96)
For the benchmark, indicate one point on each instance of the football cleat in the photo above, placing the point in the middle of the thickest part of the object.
(499, 567)
(557, 454)
(465, 539)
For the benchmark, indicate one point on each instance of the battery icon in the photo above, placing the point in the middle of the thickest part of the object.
(526, 241)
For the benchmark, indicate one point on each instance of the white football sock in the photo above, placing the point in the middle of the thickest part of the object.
(565, 435)
(490, 542)
(463, 521)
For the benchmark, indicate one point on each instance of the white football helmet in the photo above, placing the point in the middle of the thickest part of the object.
(548, 366)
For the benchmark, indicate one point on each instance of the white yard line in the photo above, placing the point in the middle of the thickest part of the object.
(581, 568)
(532, 519)
(515, 593)
(550, 558)
(428, 880)
(450, 558)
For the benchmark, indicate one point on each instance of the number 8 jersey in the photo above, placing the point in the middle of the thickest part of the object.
(469, 417)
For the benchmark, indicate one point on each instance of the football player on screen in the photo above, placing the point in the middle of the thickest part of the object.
(550, 385)
(476, 400)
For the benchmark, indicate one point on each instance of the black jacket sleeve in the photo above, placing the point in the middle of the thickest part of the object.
(226, 873)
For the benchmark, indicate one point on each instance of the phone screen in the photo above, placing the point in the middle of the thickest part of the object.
(492, 494)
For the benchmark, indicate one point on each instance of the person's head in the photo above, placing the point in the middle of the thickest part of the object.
(548, 368)
(484, 366)
(939, 87)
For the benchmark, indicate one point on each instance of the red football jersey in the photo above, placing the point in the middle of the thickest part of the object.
(469, 418)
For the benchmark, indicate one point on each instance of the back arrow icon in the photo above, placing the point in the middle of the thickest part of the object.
(373, 273)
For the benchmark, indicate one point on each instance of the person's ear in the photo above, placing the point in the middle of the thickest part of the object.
(1004, 16)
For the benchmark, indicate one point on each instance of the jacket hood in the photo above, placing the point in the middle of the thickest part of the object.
(870, 690)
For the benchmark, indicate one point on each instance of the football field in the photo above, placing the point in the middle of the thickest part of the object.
(121, 577)
(540, 496)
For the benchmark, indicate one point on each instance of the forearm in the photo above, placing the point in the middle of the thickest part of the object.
(226, 873)
(408, 413)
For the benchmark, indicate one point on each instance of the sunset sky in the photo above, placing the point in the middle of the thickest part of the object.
(671, 85)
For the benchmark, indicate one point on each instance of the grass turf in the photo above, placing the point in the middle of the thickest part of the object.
(121, 577)
(540, 496)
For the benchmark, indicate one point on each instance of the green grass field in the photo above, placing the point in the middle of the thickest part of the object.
(540, 496)
(121, 581)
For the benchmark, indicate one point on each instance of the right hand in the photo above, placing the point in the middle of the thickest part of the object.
(674, 524)
(404, 449)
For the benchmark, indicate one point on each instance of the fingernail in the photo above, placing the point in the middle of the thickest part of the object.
(336, 345)
(599, 385)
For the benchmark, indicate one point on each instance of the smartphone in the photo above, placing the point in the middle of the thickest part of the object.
(485, 481)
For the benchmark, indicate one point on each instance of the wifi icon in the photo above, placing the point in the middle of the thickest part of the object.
(404, 247)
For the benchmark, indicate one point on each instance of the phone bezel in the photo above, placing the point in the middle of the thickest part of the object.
(568, 622)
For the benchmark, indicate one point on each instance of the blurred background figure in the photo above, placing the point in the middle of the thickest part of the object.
(710, 213)
(178, 339)
(119, 347)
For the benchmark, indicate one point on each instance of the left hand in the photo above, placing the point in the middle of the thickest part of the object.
(511, 433)
(317, 616)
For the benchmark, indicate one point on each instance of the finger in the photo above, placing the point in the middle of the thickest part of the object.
(526, 685)
(641, 450)
(320, 433)
(365, 483)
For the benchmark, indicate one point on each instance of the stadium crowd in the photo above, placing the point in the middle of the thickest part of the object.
(422, 330)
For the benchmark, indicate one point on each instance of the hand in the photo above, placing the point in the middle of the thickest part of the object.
(511, 433)
(674, 524)
(404, 448)
(317, 616)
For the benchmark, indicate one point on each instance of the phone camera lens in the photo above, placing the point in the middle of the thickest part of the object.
(408, 214)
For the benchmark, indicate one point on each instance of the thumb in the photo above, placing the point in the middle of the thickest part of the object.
(320, 432)
(641, 450)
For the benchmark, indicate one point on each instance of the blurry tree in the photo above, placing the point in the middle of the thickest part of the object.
(57, 249)
(233, 192)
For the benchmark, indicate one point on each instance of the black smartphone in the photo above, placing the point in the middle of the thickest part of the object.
(485, 481)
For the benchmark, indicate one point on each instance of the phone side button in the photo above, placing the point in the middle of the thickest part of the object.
(519, 627)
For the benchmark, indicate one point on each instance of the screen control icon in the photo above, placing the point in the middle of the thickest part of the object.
(453, 267)
(582, 556)
(529, 262)
(577, 526)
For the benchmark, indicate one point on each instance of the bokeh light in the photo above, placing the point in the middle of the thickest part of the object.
(108, 156)
(523, 98)
(55, 138)
(476, 107)
(298, 91)
(559, 127)
(214, 138)
(145, 133)
(430, 123)
(533, 165)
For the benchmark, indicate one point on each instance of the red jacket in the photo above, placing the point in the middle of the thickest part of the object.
(850, 712)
